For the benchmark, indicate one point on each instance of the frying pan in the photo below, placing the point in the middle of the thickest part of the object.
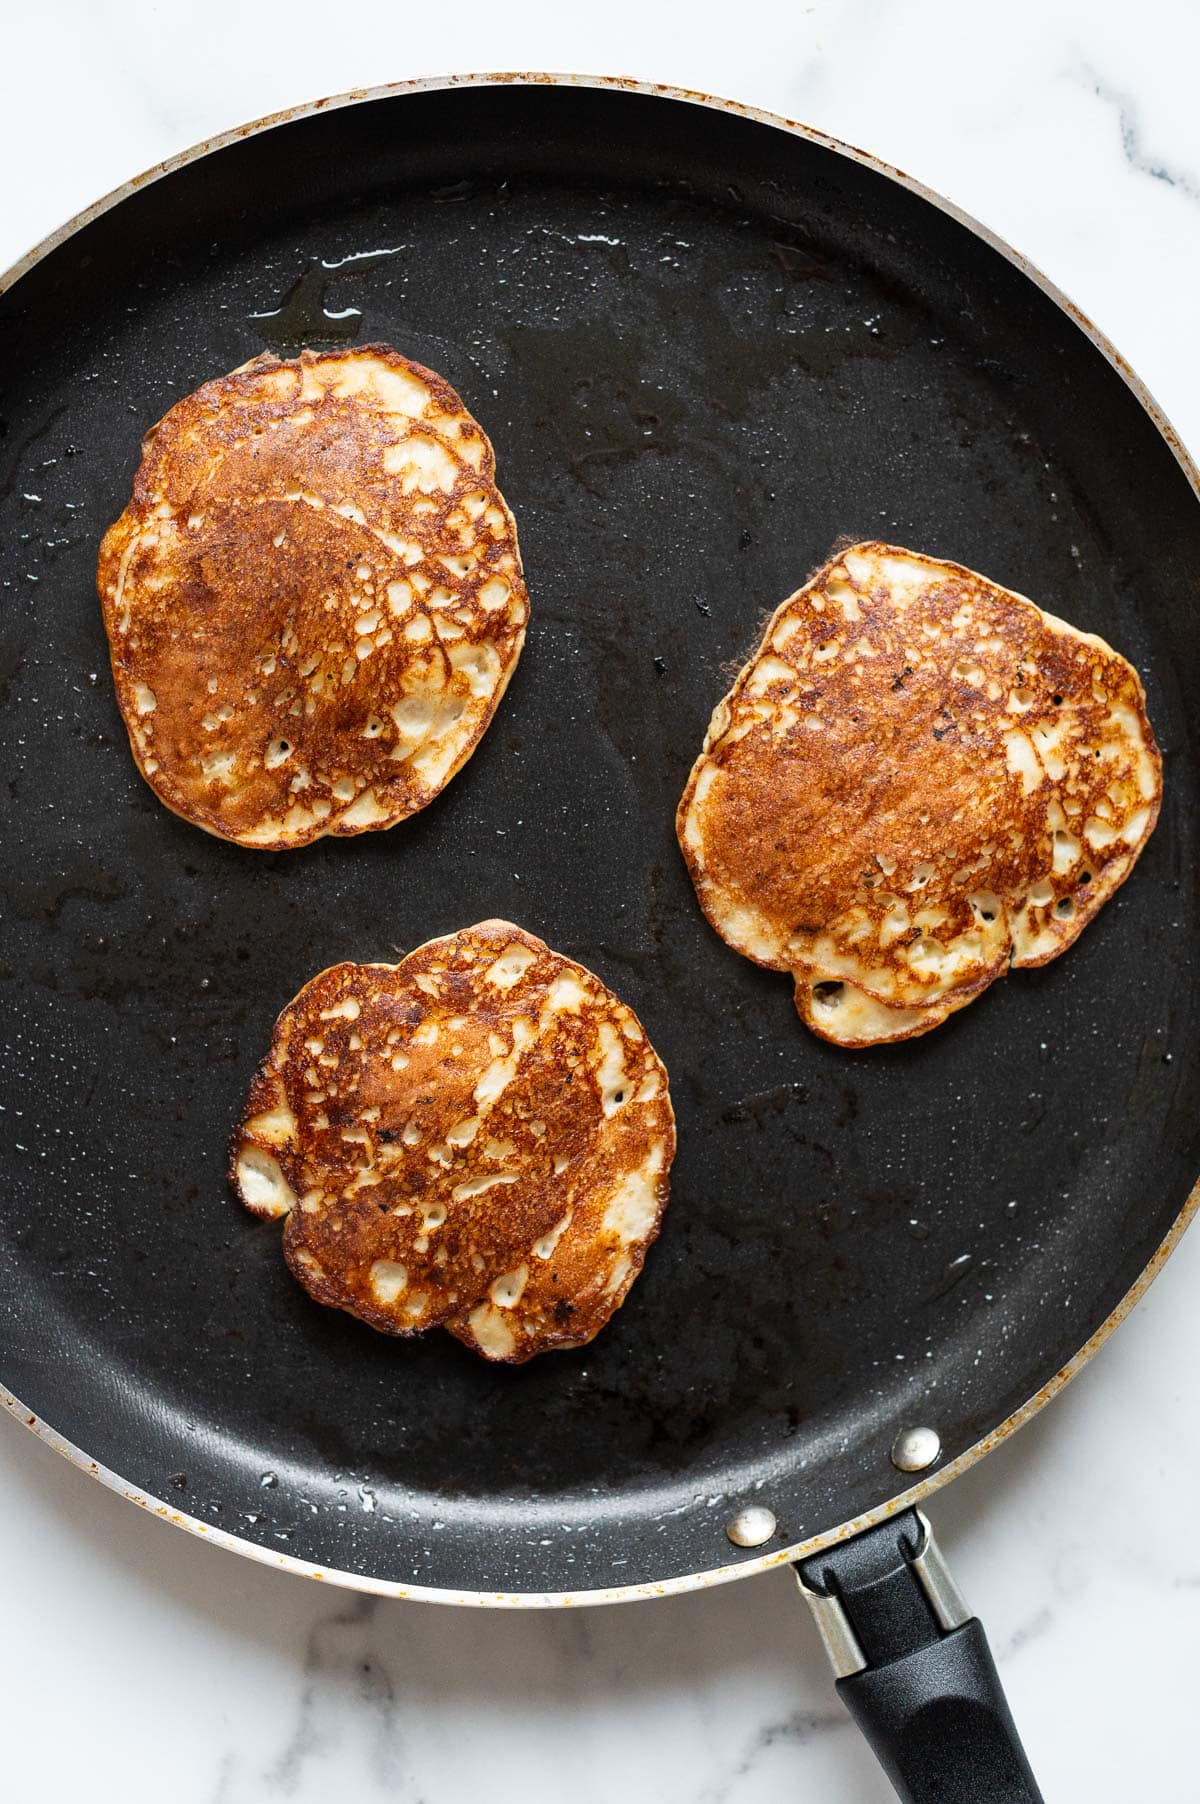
(706, 345)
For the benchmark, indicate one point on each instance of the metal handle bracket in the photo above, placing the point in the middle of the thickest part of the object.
(927, 1566)
(914, 1668)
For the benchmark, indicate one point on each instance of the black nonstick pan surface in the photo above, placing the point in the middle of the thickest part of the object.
(705, 347)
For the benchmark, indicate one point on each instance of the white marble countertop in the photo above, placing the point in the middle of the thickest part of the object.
(137, 1662)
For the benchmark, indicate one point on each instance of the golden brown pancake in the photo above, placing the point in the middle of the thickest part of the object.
(919, 780)
(479, 1136)
(314, 600)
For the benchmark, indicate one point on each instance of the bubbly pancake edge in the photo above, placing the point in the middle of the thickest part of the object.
(1062, 680)
(292, 653)
(502, 1153)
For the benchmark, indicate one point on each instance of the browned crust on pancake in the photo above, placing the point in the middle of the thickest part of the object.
(503, 1127)
(889, 766)
(263, 529)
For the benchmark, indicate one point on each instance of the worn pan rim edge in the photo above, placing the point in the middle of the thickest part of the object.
(912, 1494)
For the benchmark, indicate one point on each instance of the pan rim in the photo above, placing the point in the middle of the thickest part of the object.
(617, 1594)
(914, 1493)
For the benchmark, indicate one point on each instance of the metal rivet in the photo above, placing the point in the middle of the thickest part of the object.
(751, 1526)
(915, 1448)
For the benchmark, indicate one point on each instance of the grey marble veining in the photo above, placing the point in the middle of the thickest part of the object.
(1133, 141)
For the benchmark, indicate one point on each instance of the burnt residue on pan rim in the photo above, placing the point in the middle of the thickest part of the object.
(720, 1574)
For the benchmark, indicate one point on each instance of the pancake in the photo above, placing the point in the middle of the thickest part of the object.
(918, 781)
(479, 1136)
(314, 599)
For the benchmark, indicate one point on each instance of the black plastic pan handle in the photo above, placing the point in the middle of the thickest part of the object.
(914, 1668)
